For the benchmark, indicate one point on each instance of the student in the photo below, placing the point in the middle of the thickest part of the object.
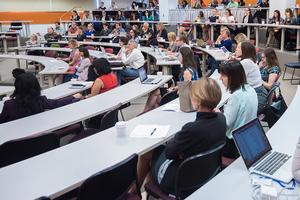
(26, 99)
(241, 106)
(106, 80)
(269, 68)
(85, 62)
(274, 33)
(90, 32)
(246, 51)
(80, 35)
(162, 32)
(172, 43)
(188, 72)
(132, 59)
(73, 30)
(133, 35)
(206, 132)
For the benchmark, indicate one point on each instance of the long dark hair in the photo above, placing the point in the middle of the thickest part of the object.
(102, 66)
(278, 13)
(27, 94)
(236, 75)
(188, 59)
(248, 51)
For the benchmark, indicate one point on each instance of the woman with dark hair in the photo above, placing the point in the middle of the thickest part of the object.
(290, 20)
(106, 80)
(75, 17)
(188, 72)
(26, 99)
(269, 68)
(274, 33)
(133, 35)
(247, 52)
(241, 106)
(85, 62)
(147, 16)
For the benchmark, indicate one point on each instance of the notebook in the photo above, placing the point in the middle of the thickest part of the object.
(257, 153)
(144, 78)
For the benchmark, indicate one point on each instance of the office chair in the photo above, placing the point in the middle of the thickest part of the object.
(112, 183)
(191, 174)
(294, 66)
(20, 149)
(166, 98)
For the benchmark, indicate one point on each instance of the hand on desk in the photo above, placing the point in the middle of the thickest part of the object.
(78, 96)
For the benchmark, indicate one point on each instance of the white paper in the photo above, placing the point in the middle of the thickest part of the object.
(171, 107)
(150, 131)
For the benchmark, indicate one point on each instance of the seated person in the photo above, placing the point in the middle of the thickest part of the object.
(58, 29)
(123, 41)
(241, 106)
(188, 72)
(105, 31)
(106, 80)
(269, 68)
(51, 36)
(223, 40)
(133, 35)
(26, 99)
(73, 30)
(80, 35)
(73, 60)
(147, 33)
(233, 4)
(90, 32)
(274, 33)
(118, 28)
(247, 18)
(247, 52)
(172, 43)
(206, 132)
(34, 41)
(290, 20)
(83, 67)
(132, 59)
(228, 18)
(161, 32)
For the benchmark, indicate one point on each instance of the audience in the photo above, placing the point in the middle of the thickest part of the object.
(132, 59)
(290, 20)
(26, 99)
(90, 32)
(233, 4)
(241, 106)
(172, 42)
(261, 14)
(133, 35)
(105, 31)
(80, 35)
(269, 68)
(73, 30)
(51, 36)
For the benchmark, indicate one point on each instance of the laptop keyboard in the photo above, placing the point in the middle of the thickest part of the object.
(148, 80)
(272, 163)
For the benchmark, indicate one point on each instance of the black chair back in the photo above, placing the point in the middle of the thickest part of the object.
(166, 98)
(21, 149)
(196, 170)
(110, 118)
(112, 183)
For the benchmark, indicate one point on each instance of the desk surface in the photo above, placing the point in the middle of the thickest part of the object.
(216, 53)
(57, 92)
(52, 65)
(4, 90)
(283, 137)
(72, 113)
(61, 170)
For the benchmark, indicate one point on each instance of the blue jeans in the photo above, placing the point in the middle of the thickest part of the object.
(127, 72)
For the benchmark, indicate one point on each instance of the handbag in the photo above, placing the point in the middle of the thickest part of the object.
(184, 96)
(279, 105)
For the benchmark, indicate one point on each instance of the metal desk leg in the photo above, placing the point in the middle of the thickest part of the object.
(211, 32)
(166, 70)
(256, 36)
(148, 64)
(298, 41)
(282, 39)
(5, 45)
(18, 40)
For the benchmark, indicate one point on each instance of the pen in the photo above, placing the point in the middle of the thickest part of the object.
(153, 131)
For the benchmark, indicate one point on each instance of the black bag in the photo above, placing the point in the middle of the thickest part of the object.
(276, 110)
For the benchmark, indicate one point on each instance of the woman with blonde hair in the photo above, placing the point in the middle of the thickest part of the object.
(206, 132)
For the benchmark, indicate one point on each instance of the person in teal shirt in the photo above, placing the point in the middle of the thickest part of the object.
(233, 4)
(148, 16)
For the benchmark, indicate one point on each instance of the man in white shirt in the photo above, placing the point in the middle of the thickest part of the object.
(133, 59)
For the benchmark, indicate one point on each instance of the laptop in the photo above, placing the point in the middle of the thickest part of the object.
(225, 51)
(144, 78)
(257, 153)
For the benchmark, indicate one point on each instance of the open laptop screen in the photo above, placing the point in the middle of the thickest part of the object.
(251, 142)
(142, 74)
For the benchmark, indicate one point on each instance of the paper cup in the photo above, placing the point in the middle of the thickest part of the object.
(121, 129)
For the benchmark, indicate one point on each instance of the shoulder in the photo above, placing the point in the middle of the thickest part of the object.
(274, 70)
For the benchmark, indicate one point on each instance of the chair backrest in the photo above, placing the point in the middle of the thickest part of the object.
(196, 170)
(271, 93)
(110, 118)
(166, 98)
(112, 183)
(17, 150)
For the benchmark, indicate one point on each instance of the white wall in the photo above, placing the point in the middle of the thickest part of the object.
(45, 5)
(164, 7)
(281, 5)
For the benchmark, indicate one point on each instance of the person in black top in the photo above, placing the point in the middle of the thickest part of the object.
(206, 132)
(261, 14)
(26, 99)
(80, 36)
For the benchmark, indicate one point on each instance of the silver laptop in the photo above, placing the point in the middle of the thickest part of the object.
(144, 78)
(257, 153)
(225, 51)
